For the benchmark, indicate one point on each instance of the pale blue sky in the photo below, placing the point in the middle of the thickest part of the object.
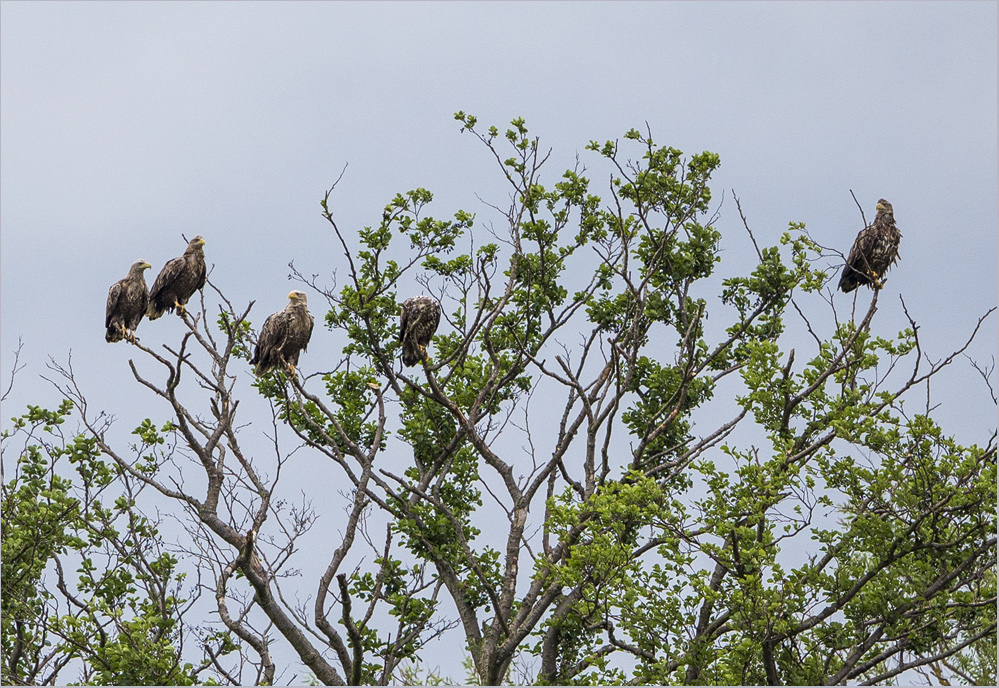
(123, 125)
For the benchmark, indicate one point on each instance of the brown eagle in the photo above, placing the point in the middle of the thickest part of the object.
(418, 321)
(874, 250)
(127, 300)
(178, 280)
(284, 336)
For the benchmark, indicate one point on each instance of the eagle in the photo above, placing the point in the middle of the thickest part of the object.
(418, 320)
(284, 336)
(873, 252)
(127, 300)
(178, 280)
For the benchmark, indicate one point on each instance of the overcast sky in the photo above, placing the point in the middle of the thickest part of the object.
(124, 125)
(127, 124)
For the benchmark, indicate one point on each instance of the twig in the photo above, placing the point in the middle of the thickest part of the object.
(859, 207)
(745, 223)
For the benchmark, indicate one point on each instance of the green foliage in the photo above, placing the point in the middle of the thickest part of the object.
(392, 584)
(565, 477)
(239, 332)
(123, 618)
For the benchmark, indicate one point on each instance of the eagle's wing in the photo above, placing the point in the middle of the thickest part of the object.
(272, 332)
(138, 302)
(202, 274)
(436, 315)
(308, 331)
(114, 293)
(271, 339)
(859, 258)
(857, 270)
(403, 321)
(167, 275)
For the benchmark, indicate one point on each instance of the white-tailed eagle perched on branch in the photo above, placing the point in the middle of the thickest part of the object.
(284, 336)
(873, 252)
(127, 301)
(418, 321)
(178, 280)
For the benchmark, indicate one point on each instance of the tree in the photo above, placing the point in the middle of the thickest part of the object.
(561, 471)
(122, 615)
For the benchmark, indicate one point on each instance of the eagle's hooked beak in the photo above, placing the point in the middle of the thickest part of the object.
(880, 207)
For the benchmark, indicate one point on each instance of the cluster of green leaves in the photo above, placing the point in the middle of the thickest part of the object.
(366, 305)
(659, 389)
(604, 530)
(393, 584)
(123, 614)
(911, 513)
(915, 514)
(37, 508)
(352, 397)
(907, 520)
(239, 331)
(442, 529)
(767, 291)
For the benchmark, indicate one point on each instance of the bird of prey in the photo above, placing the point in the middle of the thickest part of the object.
(178, 280)
(127, 300)
(418, 320)
(873, 252)
(284, 336)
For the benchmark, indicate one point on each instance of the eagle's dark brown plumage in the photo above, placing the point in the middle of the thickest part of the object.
(873, 252)
(127, 300)
(284, 336)
(178, 280)
(418, 321)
